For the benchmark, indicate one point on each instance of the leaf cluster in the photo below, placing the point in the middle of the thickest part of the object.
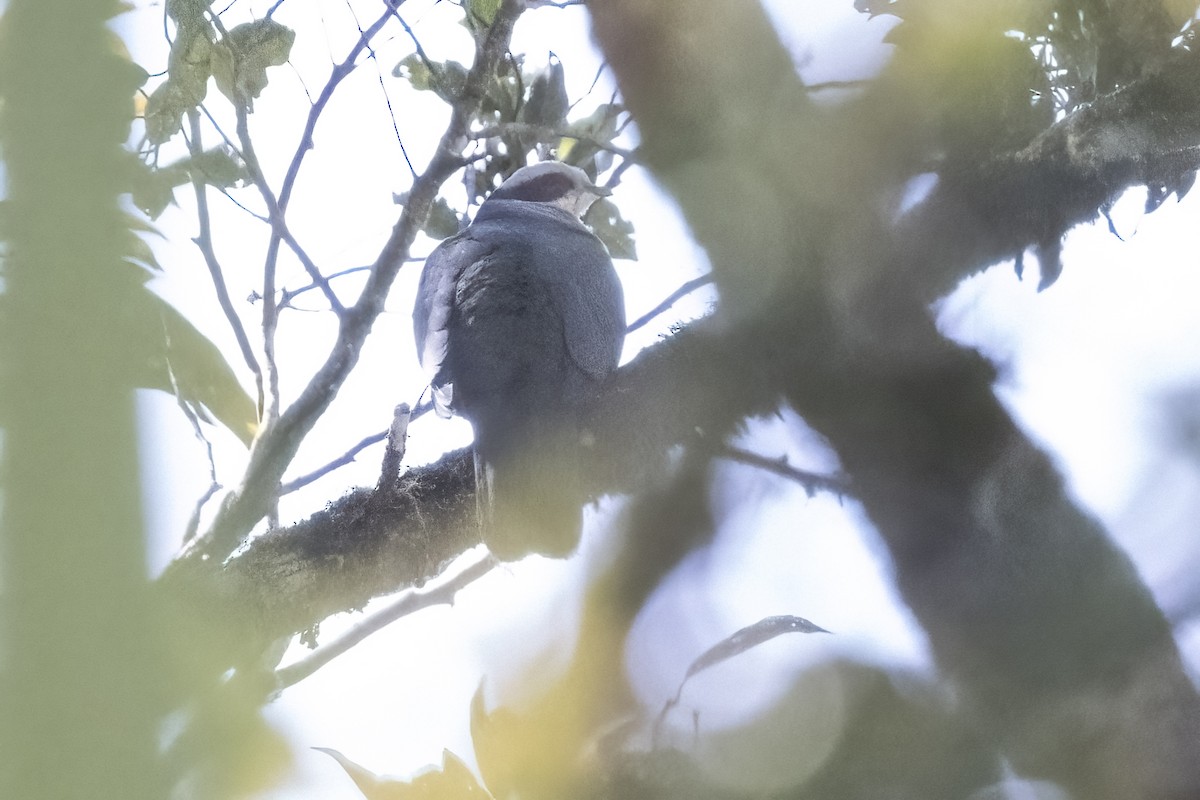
(237, 59)
(523, 116)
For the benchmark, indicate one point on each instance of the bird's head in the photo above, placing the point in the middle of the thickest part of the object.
(554, 183)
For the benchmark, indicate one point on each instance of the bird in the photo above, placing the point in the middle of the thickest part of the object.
(519, 320)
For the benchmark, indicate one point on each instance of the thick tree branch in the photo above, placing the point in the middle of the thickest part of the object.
(1030, 608)
(1145, 134)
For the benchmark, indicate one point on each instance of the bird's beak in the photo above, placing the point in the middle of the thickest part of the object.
(600, 191)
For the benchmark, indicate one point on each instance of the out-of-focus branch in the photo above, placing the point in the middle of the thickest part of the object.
(812, 482)
(277, 444)
(1032, 197)
(1042, 623)
(443, 594)
(683, 291)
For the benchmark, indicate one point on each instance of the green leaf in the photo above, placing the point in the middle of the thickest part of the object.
(443, 220)
(240, 60)
(187, 11)
(164, 112)
(189, 65)
(547, 103)
(600, 125)
(482, 12)
(582, 146)
(218, 167)
(445, 78)
(168, 353)
(610, 227)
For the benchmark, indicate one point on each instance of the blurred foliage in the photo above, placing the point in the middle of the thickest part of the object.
(453, 781)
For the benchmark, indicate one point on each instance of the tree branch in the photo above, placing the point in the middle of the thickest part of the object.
(443, 594)
(278, 443)
(683, 291)
(205, 243)
(1038, 618)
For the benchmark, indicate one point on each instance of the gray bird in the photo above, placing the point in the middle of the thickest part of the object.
(519, 319)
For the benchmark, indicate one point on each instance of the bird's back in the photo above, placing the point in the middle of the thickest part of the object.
(523, 314)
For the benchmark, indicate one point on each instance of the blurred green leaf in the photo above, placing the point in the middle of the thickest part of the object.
(583, 146)
(453, 781)
(167, 352)
(610, 227)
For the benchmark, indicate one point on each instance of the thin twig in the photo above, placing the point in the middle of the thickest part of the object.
(540, 132)
(217, 127)
(811, 481)
(392, 113)
(290, 294)
(429, 65)
(348, 457)
(397, 442)
(275, 212)
(270, 312)
(410, 602)
(205, 243)
(339, 73)
(675, 296)
(345, 458)
(318, 279)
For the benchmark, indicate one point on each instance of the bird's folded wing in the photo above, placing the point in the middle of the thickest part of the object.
(435, 305)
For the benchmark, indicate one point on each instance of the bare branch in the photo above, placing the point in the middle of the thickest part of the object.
(411, 602)
(290, 294)
(349, 456)
(205, 243)
(346, 458)
(685, 289)
(811, 481)
(393, 454)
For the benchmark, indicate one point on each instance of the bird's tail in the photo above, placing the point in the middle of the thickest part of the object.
(530, 502)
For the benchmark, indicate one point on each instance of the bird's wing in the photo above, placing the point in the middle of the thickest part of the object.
(588, 294)
(435, 305)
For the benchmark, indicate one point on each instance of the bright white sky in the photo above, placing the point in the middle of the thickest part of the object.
(1085, 367)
